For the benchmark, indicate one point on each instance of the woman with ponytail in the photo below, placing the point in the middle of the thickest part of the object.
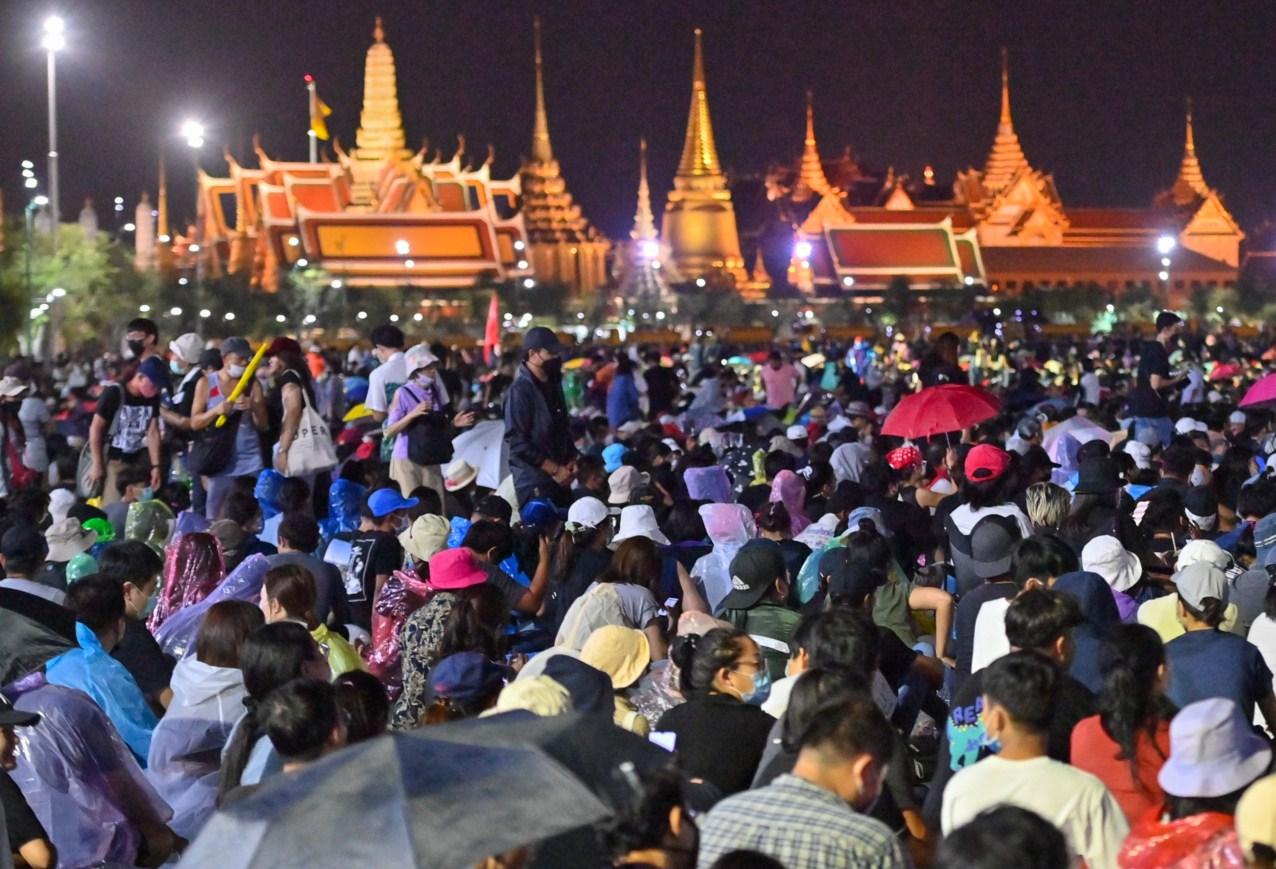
(271, 656)
(580, 555)
(1126, 744)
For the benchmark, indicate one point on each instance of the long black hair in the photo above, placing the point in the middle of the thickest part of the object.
(700, 658)
(1131, 703)
(273, 655)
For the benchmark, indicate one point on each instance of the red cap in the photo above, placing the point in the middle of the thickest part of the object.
(455, 568)
(365, 451)
(904, 457)
(283, 344)
(986, 462)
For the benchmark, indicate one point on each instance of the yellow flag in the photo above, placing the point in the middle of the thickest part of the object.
(318, 111)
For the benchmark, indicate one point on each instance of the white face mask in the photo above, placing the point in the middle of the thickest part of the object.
(236, 370)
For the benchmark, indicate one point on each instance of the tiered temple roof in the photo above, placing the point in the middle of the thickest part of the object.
(811, 180)
(645, 270)
(566, 247)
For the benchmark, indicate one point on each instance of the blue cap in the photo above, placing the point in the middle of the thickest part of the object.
(614, 457)
(383, 502)
(466, 677)
(541, 514)
(155, 371)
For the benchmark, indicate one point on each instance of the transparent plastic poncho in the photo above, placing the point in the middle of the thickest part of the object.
(403, 594)
(193, 565)
(177, 635)
(80, 778)
(151, 522)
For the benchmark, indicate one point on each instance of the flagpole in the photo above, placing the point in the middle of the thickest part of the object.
(310, 131)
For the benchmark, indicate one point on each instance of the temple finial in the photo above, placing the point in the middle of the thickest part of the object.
(542, 150)
(811, 178)
(1190, 184)
(644, 219)
(1005, 87)
(161, 221)
(699, 154)
(378, 32)
(1190, 145)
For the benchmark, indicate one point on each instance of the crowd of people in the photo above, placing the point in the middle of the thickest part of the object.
(1032, 626)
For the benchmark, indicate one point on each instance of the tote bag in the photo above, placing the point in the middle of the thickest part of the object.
(312, 451)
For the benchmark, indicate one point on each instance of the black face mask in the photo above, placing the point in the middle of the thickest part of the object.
(553, 368)
(136, 347)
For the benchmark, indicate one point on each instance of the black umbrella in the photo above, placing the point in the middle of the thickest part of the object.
(403, 799)
(32, 630)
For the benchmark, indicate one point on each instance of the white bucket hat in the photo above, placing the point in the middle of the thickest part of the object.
(1106, 556)
(639, 520)
(458, 474)
(1213, 751)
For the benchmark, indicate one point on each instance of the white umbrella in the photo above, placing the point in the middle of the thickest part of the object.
(483, 446)
(1080, 429)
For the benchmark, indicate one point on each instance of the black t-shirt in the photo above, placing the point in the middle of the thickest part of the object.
(21, 822)
(143, 658)
(720, 739)
(589, 564)
(1144, 400)
(662, 389)
(275, 400)
(372, 554)
(894, 659)
(128, 441)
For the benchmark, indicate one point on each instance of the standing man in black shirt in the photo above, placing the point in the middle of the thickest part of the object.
(1147, 402)
(542, 453)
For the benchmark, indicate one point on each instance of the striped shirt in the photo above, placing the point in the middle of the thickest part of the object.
(800, 824)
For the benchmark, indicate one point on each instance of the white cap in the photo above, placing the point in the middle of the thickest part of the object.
(1140, 452)
(418, 356)
(187, 347)
(1187, 425)
(587, 512)
(12, 386)
(1237, 417)
(796, 433)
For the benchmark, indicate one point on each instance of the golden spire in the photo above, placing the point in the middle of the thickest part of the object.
(162, 207)
(542, 152)
(380, 123)
(811, 179)
(699, 155)
(1006, 157)
(378, 32)
(1190, 184)
(644, 220)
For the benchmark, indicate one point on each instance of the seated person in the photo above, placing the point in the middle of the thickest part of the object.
(137, 568)
(28, 842)
(288, 594)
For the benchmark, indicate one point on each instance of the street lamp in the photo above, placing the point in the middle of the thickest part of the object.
(53, 42)
(193, 132)
(1165, 245)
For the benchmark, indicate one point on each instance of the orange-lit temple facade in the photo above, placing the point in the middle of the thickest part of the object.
(1004, 227)
(383, 215)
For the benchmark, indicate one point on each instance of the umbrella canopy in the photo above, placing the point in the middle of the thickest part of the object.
(1261, 393)
(1078, 428)
(483, 446)
(935, 410)
(32, 630)
(576, 362)
(741, 361)
(399, 800)
(1225, 371)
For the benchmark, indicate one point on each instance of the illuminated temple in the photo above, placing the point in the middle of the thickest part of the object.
(384, 215)
(1004, 226)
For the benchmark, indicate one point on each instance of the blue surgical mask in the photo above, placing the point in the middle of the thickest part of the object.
(148, 494)
(761, 689)
(151, 603)
(176, 367)
(989, 743)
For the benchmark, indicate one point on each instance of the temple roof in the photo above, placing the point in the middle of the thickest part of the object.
(542, 151)
(699, 154)
(1190, 184)
(380, 131)
(811, 180)
(1060, 263)
(1006, 156)
(644, 219)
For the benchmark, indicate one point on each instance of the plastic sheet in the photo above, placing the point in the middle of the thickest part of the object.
(177, 635)
(267, 492)
(729, 527)
(192, 568)
(188, 522)
(185, 760)
(403, 594)
(150, 522)
(80, 778)
(344, 500)
(708, 484)
(790, 490)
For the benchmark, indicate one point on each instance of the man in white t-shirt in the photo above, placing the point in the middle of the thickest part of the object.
(1019, 700)
(1036, 562)
(386, 378)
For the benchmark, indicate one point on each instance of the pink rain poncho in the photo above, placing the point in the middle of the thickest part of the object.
(80, 778)
(729, 527)
(790, 490)
(402, 595)
(177, 635)
(193, 566)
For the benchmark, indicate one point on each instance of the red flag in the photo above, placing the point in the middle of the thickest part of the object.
(492, 334)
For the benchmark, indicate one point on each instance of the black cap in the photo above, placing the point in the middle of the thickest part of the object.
(211, 358)
(1098, 477)
(23, 543)
(1035, 459)
(851, 582)
(1166, 319)
(991, 540)
(541, 338)
(10, 717)
(755, 568)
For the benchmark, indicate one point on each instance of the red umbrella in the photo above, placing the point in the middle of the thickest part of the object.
(1262, 392)
(1225, 371)
(938, 409)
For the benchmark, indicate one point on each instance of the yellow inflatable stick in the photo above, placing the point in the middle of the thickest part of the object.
(245, 382)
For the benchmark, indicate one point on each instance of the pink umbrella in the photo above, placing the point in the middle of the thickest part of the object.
(1261, 393)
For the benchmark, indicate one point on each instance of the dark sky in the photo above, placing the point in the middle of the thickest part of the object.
(1098, 88)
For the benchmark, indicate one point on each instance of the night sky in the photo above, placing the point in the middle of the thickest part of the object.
(1098, 88)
